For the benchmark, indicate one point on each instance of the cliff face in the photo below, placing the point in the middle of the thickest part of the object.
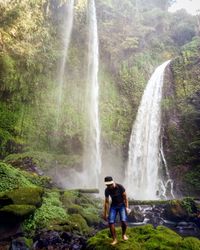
(181, 119)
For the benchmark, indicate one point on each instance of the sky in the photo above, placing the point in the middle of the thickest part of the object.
(191, 6)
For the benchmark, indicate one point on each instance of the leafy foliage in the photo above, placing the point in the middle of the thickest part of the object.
(42, 114)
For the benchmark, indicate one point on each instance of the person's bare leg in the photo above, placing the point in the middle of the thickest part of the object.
(113, 233)
(124, 226)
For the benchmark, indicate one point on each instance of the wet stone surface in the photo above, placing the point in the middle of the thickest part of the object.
(155, 215)
(59, 240)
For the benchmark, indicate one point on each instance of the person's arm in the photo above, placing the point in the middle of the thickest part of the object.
(125, 201)
(106, 208)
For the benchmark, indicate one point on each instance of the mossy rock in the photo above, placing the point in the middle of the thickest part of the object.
(180, 209)
(83, 204)
(24, 195)
(88, 191)
(190, 243)
(17, 210)
(144, 238)
(49, 215)
(91, 215)
(86, 200)
(12, 178)
(75, 209)
(68, 198)
(78, 223)
(148, 202)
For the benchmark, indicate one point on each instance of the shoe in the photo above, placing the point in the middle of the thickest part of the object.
(114, 242)
(124, 237)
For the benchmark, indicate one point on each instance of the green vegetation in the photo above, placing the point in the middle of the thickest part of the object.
(143, 36)
(12, 178)
(38, 136)
(17, 210)
(182, 128)
(83, 204)
(25, 195)
(69, 211)
(144, 238)
(41, 160)
(179, 210)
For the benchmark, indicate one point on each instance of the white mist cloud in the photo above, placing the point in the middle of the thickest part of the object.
(191, 6)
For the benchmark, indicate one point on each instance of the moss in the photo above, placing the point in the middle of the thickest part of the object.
(75, 209)
(175, 210)
(12, 178)
(182, 118)
(88, 191)
(51, 213)
(91, 215)
(78, 223)
(190, 243)
(189, 205)
(148, 202)
(144, 238)
(162, 238)
(26, 195)
(83, 204)
(18, 210)
(37, 161)
(68, 198)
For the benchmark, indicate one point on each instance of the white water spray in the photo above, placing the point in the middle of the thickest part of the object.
(92, 157)
(67, 30)
(165, 187)
(144, 161)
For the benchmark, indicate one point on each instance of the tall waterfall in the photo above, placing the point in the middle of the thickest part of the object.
(144, 146)
(92, 157)
(67, 30)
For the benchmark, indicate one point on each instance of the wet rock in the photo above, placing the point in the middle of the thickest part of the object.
(19, 244)
(175, 212)
(59, 240)
(135, 216)
(47, 239)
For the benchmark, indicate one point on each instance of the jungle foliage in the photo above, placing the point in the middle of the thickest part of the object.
(181, 117)
(31, 49)
(144, 34)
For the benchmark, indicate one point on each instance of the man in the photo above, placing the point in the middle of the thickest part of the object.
(119, 205)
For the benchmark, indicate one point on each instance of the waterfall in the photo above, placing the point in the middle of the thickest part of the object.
(92, 156)
(144, 146)
(165, 187)
(67, 30)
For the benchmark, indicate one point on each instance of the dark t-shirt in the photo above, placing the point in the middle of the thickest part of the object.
(115, 194)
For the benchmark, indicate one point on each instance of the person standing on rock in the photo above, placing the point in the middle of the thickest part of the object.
(119, 205)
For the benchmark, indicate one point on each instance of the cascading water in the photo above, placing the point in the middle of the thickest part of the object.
(92, 156)
(144, 146)
(67, 30)
(165, 187)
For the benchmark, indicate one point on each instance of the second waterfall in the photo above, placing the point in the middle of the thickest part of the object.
(144, 146)
(92, 154)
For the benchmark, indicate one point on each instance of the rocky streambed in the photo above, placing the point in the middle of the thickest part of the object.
(182, 216)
